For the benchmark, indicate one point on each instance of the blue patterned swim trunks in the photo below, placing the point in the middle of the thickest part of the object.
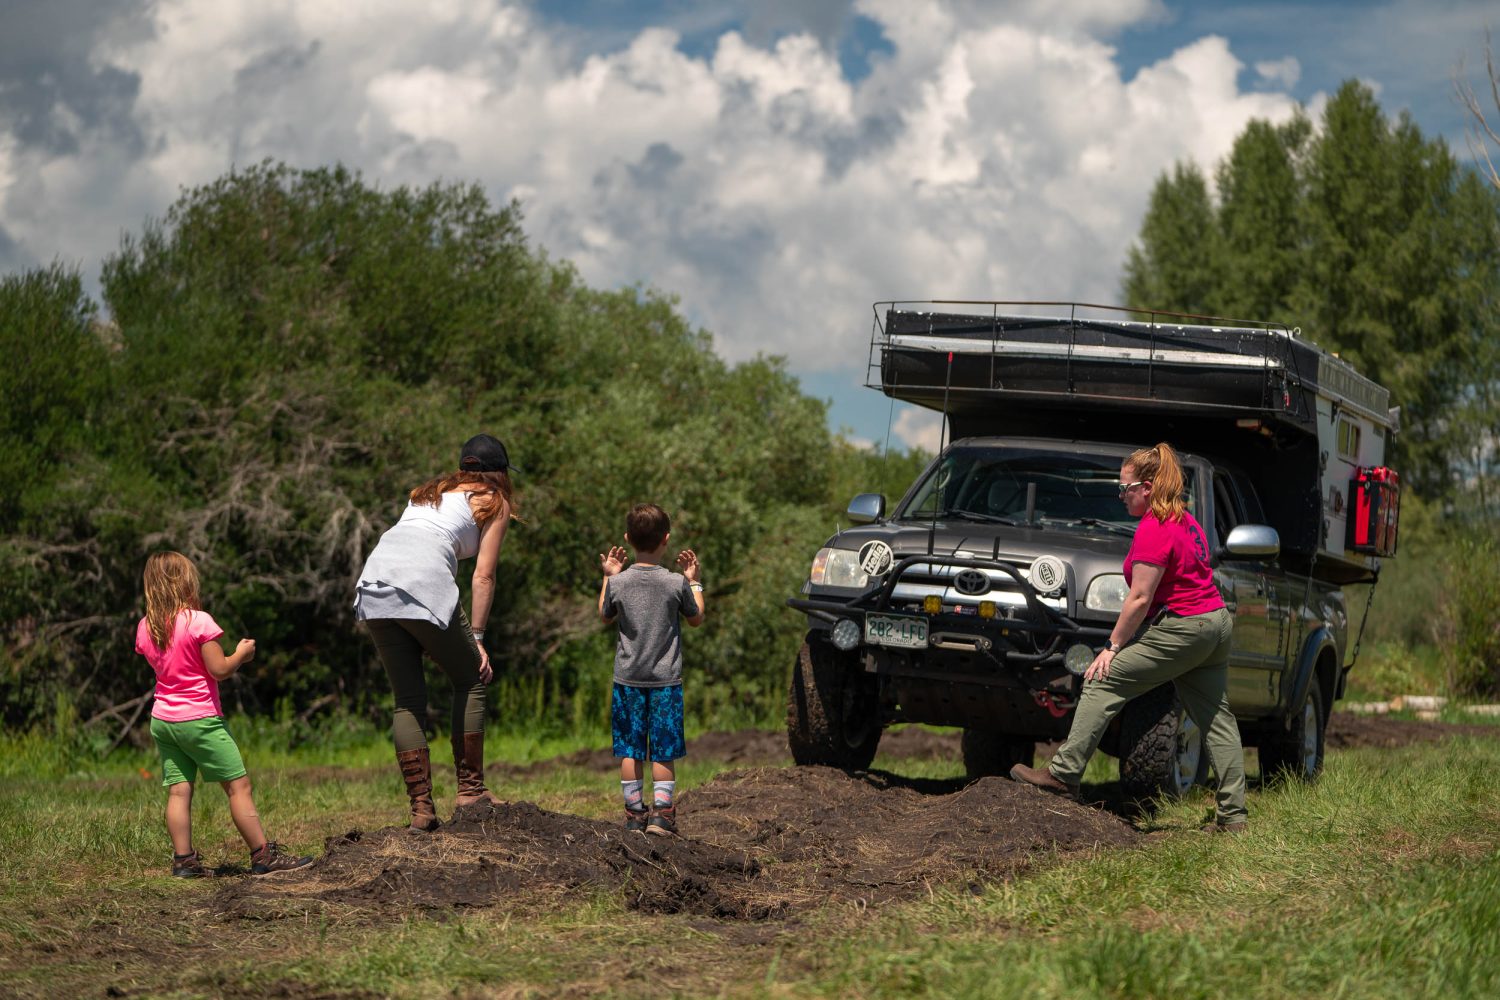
(647, 723)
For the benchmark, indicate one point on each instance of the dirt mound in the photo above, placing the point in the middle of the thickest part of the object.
(756, 844)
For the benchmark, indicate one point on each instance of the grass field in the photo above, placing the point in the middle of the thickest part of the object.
(1382, 880)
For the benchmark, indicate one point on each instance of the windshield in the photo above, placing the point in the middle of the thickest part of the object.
(990, 484)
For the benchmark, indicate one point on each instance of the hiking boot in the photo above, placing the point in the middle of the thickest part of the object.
(468, 765)
(663, 821)
(1040, 777)
(416, 771)
(1238, 826)
(635, 819)
(189, 865)
(269, 857)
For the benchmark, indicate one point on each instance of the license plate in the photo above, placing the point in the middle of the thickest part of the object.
(893, 630)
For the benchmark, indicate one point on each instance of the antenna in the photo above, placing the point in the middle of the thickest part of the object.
(942, 442)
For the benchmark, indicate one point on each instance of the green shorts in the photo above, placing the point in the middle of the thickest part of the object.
(199, 744)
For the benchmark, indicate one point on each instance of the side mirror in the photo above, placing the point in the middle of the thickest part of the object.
(866, 507)
(1252, 541)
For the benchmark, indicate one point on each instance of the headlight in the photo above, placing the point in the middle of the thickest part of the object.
(837, 568)
(1106, 593)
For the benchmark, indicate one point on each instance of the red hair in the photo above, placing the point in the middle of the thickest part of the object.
(489, 492)
(1159, 467)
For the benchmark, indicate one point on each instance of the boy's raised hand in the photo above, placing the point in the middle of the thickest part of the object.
(614, 562)
(688, 560)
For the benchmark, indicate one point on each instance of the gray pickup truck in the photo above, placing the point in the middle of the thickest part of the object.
(979, 599)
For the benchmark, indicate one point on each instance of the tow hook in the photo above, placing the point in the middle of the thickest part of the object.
(1056, 705)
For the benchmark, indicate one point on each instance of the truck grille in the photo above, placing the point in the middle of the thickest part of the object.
(922, 579)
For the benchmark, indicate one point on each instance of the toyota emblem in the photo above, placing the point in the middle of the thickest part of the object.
(972, 582)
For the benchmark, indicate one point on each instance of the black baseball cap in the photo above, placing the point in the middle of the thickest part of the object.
(484, 453)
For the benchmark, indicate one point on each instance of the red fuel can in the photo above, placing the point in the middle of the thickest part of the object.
(1375, 511)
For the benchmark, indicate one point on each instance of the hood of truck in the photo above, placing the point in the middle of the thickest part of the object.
(1086, 553)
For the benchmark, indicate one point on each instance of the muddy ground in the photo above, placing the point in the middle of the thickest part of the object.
(763, 842)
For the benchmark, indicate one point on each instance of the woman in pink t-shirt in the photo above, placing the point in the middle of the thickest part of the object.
(181, 642)
(1185, 639)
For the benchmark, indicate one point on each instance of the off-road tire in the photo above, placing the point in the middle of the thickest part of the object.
(987, 753)
(1296, 752)
(832, 710)
(1161, 751)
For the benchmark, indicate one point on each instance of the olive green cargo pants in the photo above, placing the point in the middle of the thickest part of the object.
(401, 643)
(1193, 653)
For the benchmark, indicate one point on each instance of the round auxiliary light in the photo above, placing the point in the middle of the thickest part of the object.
(932, 604)
(1078, 658)
(986, 609)
(846, 634)
(1048, 574)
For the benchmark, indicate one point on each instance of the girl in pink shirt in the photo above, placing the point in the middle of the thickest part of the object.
(1173, 628)
(181, 642)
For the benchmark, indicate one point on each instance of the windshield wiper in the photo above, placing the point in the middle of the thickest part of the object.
(973, 515)
(1113, 527)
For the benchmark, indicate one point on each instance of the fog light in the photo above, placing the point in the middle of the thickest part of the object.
(1078, 658)
(932, 604)
(986, 609)
(846, 634)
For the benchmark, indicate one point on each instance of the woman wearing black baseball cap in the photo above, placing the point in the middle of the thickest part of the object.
(407, 597)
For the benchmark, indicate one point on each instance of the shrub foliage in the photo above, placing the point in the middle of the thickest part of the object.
(289, 352)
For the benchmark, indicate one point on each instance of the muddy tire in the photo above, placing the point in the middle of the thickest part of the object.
(987, 753)
(1296, 752)
(1161, 749)
(832, 711)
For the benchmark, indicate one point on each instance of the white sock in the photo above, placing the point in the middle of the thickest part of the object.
(661, 793)
(633, 794)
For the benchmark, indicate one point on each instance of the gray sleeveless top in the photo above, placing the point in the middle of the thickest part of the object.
(413, 571)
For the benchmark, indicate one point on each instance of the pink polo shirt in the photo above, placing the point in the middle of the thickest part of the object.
(1181, 550)
(184, 689)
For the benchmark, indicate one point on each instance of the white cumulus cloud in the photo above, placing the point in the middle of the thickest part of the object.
(994, 152)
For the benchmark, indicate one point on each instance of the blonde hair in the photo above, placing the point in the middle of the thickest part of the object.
(1159, 467)
(493, 492)
(171, 585)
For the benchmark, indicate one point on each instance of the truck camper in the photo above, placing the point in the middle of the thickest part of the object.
(981, 595)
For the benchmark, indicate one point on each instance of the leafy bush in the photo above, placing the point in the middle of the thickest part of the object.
(1469, 621)
(289, 353)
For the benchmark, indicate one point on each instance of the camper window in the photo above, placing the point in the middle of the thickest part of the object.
(1349, 440)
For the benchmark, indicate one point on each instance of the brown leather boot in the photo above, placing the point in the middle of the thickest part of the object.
(1040, 777)
(416, 770)
(468, 764)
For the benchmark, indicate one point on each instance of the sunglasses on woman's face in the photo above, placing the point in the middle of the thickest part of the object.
(1127, 487)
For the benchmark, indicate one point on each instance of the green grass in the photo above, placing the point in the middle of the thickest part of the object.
(1382, 880)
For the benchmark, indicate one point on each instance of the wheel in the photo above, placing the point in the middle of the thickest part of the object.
(1161, 748)
(1297, 751)
(988, 753)
(833, 710)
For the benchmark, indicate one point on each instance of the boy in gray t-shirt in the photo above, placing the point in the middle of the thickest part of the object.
(646, 708)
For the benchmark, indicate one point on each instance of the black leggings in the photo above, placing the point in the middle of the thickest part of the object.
(400, 643)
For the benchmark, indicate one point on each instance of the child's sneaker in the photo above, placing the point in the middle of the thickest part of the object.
(189, 865)
(271, 858)
(663, 821)
(635, 819)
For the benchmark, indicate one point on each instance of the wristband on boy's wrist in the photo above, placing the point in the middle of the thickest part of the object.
(695, 585)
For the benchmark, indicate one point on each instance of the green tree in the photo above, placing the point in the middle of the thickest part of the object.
(1367, 236)
(1176, 265)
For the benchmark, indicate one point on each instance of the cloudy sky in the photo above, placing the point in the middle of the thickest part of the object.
(779, 165)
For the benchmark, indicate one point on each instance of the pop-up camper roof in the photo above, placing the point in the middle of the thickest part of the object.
(972, 363)
(1299, 420)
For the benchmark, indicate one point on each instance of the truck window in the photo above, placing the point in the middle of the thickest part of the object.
(993, 481)
(1227, 509)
